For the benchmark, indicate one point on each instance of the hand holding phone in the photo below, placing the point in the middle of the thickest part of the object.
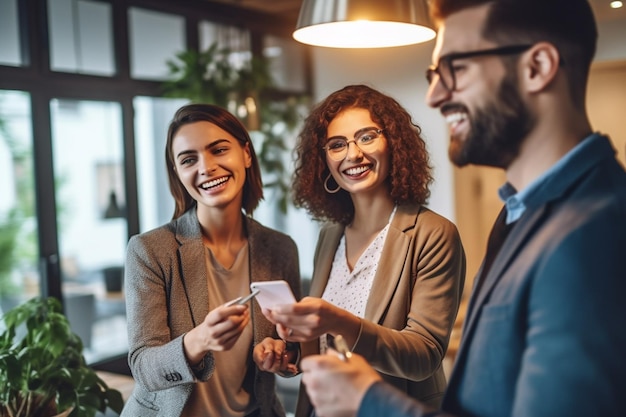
(272, 293)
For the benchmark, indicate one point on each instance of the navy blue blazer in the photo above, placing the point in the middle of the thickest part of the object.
(545, 335)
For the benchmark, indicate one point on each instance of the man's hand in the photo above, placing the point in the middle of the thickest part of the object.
(336, 388)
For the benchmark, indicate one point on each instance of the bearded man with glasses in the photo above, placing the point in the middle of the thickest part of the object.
(543, 334)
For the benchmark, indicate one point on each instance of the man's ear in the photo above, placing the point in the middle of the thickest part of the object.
(541, 64)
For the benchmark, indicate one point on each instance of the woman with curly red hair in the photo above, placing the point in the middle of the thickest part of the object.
(388, 272)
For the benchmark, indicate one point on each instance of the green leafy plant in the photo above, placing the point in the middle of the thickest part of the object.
(42, 369)
(209, 77)
(9, 229)
(18, 244)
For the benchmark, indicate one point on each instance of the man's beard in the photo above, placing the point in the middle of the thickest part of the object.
(496, 131)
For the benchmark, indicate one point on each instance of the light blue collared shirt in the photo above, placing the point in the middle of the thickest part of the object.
(515, 201)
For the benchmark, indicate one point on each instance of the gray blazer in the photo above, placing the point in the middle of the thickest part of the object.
(167, 295)
(412, 305)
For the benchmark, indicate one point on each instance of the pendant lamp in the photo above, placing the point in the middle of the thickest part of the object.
(363, 23)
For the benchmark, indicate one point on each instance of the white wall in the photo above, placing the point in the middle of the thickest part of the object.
(399, 72)
(611, 44)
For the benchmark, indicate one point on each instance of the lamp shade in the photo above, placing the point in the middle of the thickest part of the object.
(363, 23)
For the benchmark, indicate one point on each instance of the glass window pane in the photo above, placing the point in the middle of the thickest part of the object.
(152, 118)
(155, 38)
(19, 275)
(88, 161)
(286, 58)
(9, 34)
(81, 37)
(235, 39)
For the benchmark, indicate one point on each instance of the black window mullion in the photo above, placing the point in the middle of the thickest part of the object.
(121, 39)
(45, 197)
(130, 167)
(192, 33)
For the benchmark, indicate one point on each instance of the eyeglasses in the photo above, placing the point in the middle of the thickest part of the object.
(446, 71)
(365, 139)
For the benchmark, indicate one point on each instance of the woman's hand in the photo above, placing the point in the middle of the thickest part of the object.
(312, 317)
(219, 331)
(271, 356)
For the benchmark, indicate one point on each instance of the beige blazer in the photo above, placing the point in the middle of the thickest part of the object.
(412, 305)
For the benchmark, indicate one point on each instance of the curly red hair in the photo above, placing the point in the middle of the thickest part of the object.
(410, 171)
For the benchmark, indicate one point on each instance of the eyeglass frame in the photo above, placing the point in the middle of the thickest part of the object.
(449, 58)
(379, 132)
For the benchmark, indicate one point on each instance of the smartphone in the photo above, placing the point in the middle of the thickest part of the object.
(242, 300)
(272, 293)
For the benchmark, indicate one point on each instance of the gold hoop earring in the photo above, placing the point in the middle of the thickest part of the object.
(328, 190)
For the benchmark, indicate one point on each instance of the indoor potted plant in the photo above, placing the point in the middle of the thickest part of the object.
(42, 369)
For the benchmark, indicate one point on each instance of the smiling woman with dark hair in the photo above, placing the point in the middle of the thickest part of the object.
(190, 349)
